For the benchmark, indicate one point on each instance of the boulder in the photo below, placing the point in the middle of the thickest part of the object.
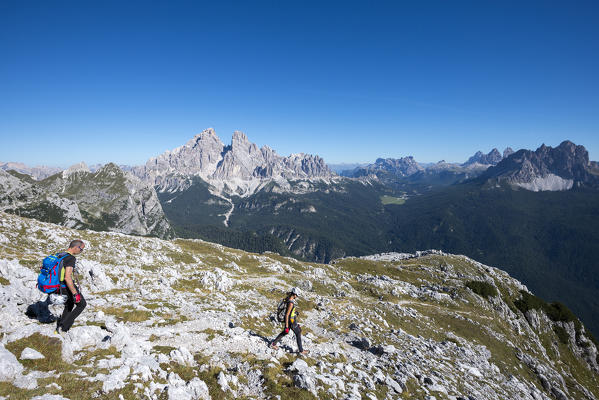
(11, 368)
(30, 354)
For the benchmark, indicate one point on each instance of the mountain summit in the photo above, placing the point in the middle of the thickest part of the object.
(493, 158)
(240, 168)
(547, 168)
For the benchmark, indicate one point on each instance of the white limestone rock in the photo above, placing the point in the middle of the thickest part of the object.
(182, 356)
(217, 279)
(11, 368)
(30, 354)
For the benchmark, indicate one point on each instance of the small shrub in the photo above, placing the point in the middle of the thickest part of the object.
(561, 333)
(559, 312)
(483, 289)
(529, 301)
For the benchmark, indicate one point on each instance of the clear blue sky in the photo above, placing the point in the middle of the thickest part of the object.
(124, 81)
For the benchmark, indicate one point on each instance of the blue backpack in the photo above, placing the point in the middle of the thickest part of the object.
(48, 281)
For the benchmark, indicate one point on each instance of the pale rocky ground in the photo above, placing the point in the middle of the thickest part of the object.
(187, 319)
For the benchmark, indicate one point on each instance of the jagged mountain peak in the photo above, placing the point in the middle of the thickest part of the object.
(239, 168)
(79, 167)
(547, 168)
(491, 158)
(206, 136)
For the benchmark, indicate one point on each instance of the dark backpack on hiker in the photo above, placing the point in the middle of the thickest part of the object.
(281, 309)
(48, 281)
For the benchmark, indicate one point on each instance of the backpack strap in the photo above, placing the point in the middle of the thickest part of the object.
(61, 256)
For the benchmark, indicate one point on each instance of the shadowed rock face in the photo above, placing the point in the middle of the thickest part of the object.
(240, 167)
(194, 319)
(546, 168)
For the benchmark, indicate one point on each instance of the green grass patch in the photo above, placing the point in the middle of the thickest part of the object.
(163, 349)
(32, 264)
(212, 333)
(113, 292)
(4, 281)
(170, 320)
(186, 372)
(187, 285)
(72, 386)
(50, 347)
(128, 315)
(392, 200)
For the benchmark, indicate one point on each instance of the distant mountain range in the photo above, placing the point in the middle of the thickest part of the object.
(37, 173)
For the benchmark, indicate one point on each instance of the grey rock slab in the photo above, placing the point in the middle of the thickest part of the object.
(116, 380)
(11, 368)
(30, 354)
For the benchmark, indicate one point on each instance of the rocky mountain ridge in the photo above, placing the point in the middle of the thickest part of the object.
(107, 199)
(546, 168)
(492, 158)
(240, 168)
(387, 326)
(407, 169)
(38, 172)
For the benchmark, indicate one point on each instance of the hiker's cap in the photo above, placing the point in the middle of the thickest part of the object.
(295, 291)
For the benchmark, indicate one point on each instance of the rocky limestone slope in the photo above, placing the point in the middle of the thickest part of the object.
(187, 319)
(107, 199)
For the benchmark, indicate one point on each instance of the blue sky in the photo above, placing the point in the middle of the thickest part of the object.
(350, 81)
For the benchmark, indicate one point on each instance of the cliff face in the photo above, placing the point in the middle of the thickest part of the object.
(193, 319)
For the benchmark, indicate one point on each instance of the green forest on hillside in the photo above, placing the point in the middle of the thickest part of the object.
(545, 239)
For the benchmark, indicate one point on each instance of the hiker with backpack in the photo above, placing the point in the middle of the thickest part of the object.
(56, 277)
(287, 314)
